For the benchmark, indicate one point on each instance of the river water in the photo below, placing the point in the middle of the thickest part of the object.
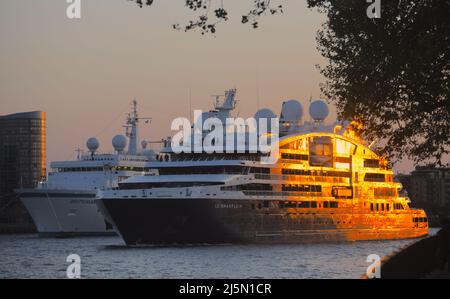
(27, 256)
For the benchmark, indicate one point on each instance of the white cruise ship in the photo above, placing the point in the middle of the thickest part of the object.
(64, 204)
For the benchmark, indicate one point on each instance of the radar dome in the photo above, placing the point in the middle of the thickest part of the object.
(119, 142)
(292, 111)
(92, 144)
(318, 110)
(264, 113)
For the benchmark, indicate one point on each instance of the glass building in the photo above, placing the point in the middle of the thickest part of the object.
(22, 160)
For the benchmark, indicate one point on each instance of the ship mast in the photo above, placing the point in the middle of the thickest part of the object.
(132, 124)
(224, 108)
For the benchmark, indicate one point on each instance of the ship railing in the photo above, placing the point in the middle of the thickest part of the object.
(281, 193)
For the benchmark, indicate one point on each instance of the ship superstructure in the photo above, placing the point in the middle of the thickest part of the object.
(327, 185)
(64, 203)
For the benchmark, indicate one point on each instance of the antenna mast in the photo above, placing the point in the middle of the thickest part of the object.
(132, 128)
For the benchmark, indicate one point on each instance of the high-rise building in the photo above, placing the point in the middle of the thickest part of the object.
(22, 160)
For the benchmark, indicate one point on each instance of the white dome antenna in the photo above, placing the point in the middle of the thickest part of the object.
(119, 142)
(92, 144)
(291, 115)
(292, 111)
(318, 110)
(266, 114)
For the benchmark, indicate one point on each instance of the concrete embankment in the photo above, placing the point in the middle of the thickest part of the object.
(426, 258)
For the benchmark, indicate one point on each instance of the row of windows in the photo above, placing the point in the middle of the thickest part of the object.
(165, 185)
(385, 192)
(78, 169)
(253, 187)
(420, 219)
(379, 207)
(212, 170)
(374, 177)
(372, 163)
(317, 173)
(302, 188)
(85, 169)
(249, 156)
(398, 206)
(288, 156)
(307, 204)
(385, 207)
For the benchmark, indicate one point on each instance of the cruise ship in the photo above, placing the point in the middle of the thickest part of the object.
(64, 204)
(327, 185)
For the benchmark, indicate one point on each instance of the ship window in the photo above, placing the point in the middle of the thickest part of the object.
(374, 177)
(382, 206)
(342, 192)
(325, 204)
(377, 207)
(304, 204)
(259, 206)
(266, 203)
(398, 206)
(342, 147)
(387, 207)
(321, 151)
(371, 207)
(299, 144)
(290, 204)
(372, 163)
(333, 204)
(313, 204)
(383, 191)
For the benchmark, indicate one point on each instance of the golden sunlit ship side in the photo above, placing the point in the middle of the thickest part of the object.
(368, 200)
(327, 185)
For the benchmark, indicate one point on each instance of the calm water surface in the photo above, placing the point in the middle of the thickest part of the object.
(27, 256)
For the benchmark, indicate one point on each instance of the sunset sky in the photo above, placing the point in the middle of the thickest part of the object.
(84, 73)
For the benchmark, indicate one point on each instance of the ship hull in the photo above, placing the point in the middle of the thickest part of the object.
(211, 221)
(67, 213)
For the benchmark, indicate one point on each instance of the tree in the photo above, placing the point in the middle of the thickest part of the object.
(213, 12)
(389, 73)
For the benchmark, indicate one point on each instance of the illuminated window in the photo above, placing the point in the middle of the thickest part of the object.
(342, 147)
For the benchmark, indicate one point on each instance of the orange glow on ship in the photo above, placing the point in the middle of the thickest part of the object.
(370, 206)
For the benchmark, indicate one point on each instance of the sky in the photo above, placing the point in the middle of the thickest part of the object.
(85, 72)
